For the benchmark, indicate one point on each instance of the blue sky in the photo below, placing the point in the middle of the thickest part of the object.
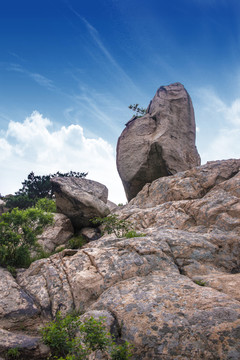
(69, 69)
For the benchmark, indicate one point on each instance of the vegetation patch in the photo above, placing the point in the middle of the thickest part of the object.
(200, 282)
(133, 234)
(13, 353)
(18, 235)
(76, 242)
(113, 225)
(70, 338)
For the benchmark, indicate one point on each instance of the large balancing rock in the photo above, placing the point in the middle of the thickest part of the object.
(160, 143)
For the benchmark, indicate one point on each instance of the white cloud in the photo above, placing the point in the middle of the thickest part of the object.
(32, 146)
(220, 126)
(233, 113)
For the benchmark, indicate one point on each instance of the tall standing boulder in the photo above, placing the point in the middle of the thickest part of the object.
(160, 143)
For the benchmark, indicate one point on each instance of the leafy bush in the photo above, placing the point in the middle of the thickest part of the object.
(13, 353)
(112, 224)
(76, 242)
(132, 234)
(122, 352)
(60, 334)
(46, 204)
(18, 235)
(72, 339)
(19, 201)
(200, 282)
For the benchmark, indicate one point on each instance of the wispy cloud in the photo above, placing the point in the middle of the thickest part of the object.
(38, 78)
(99, 43)
(223, 121)
(16, 56)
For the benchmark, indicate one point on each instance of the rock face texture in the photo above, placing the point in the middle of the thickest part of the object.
(57, 234)
(160, 143)
(80, 199)
(173, 293)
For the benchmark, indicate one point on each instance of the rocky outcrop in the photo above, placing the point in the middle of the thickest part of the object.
(173, 293)
(57, 234)
(80, 199)
(160, 143)
(90, 234)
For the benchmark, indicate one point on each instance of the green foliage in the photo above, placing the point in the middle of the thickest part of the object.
(122, 352)
(18, 235)
(46, 204)
(200, 282)
(95, 336)
(73, 339)
(139, 110)
(112, 224)
(19, 201)
(12, 270)
(13, 353)
(132, 234)
(36, 187)
(76, 242)
(60, 334)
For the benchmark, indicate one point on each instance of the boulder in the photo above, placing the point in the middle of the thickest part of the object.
(90, 234)
(160, 143)
(80, 199)
(29, 347)
(111, 205)
(16, 306)
(57, 234)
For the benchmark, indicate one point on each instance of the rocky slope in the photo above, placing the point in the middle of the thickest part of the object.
(173, 293)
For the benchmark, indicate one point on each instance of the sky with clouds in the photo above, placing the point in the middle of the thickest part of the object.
(70, 68)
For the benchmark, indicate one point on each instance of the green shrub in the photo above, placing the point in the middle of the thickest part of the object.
(60, 333)
(13, 353)
(132, 234)
(112, 224)
(200, 282)
(18, 235)
(72, 339)
(76, 242)
(46, 204)
(19, 201)
(122, 352)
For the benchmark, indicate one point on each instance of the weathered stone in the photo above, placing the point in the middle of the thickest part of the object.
(90, 234)
(170, 317)
(160, 143)
(187, 185)
(16, 306)
(29, 347)
(57, 234)
(111, 205)
(80, 199)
